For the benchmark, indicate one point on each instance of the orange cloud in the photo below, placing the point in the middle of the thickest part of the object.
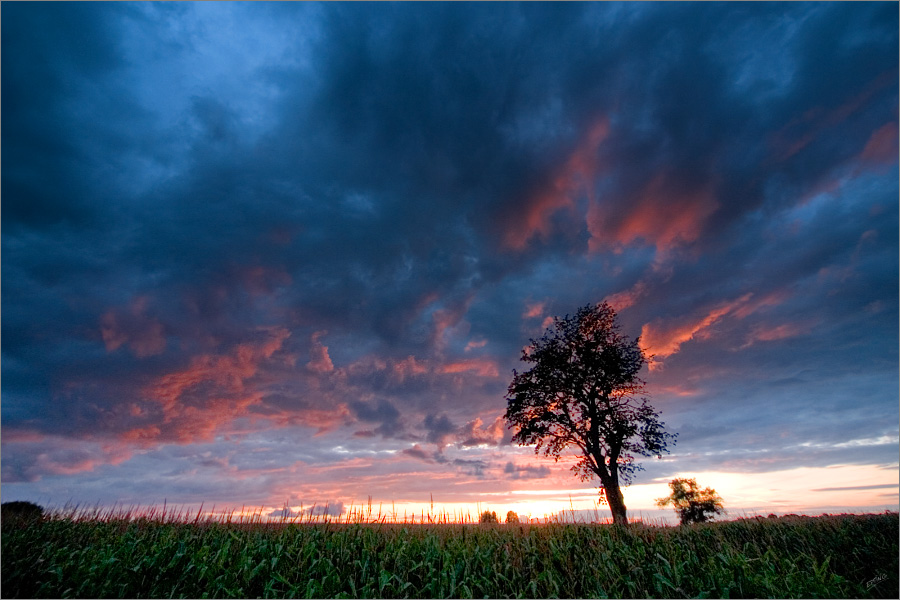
(473, 434)
(663, 338)
(322, 419)
(479, 366)
(475, 344)
(675, 390)
(533, 311)
(663, 214)
(142, 435)
(407, 367)
(221, 381)
(319, 360)
(623, 300)
(575, 175)
(771, 334)
(753, 304)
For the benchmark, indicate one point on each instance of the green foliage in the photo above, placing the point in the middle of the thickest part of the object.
(847, 556)
(512, 517)
(693, 505)
(488, 516)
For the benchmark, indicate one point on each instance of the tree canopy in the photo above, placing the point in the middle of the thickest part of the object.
(488, 516)
(693, 505)
(583, 392)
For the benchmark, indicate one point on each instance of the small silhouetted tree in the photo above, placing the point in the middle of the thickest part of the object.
(692, 504)
(512, 517)
(583, 392)
(20, 512)
(488, 516)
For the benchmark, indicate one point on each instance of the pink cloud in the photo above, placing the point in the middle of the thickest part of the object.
(664, 337)
(754, 303)
(663, 214)
(479, 366)
(223, 396)
(321, 419)
(768, 333)
(142, 435)
(623, 300)
(319, 360)
(472, 345)
(408, 367)
(473, 434)
(535, 218)
(675, 390)
(533, 311)
(575, 174)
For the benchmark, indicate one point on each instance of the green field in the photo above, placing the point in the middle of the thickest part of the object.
(846, 556)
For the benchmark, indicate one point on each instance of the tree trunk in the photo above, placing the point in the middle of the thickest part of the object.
(616, 503)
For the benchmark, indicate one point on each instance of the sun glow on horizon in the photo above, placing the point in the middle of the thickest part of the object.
(808, 490)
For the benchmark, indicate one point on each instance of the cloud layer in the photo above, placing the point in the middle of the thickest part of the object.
(262, 252)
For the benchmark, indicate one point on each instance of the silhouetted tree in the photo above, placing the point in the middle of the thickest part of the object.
(692, 504)
(488, 516)
(20, 512)
(512, 517)
(584, 392)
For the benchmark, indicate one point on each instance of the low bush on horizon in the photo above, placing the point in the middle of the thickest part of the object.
(840, 556)
(21, 510)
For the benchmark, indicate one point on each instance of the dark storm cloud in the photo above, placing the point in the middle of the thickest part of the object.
(55, 53)
(418, 453)
(383, 412)
(440, 429)
(219, 219)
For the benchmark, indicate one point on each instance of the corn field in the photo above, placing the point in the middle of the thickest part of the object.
(111, 555)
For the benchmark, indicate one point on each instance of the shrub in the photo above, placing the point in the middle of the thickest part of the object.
(692, 504)
(20, 511)
(488, 516)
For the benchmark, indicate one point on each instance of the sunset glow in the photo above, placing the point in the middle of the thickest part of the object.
(259, 256)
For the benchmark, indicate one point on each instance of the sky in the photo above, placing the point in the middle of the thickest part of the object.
(268, 255)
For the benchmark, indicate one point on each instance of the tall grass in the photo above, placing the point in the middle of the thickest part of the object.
(101, 553)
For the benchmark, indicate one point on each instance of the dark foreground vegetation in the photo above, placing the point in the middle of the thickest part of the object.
(846, 556)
